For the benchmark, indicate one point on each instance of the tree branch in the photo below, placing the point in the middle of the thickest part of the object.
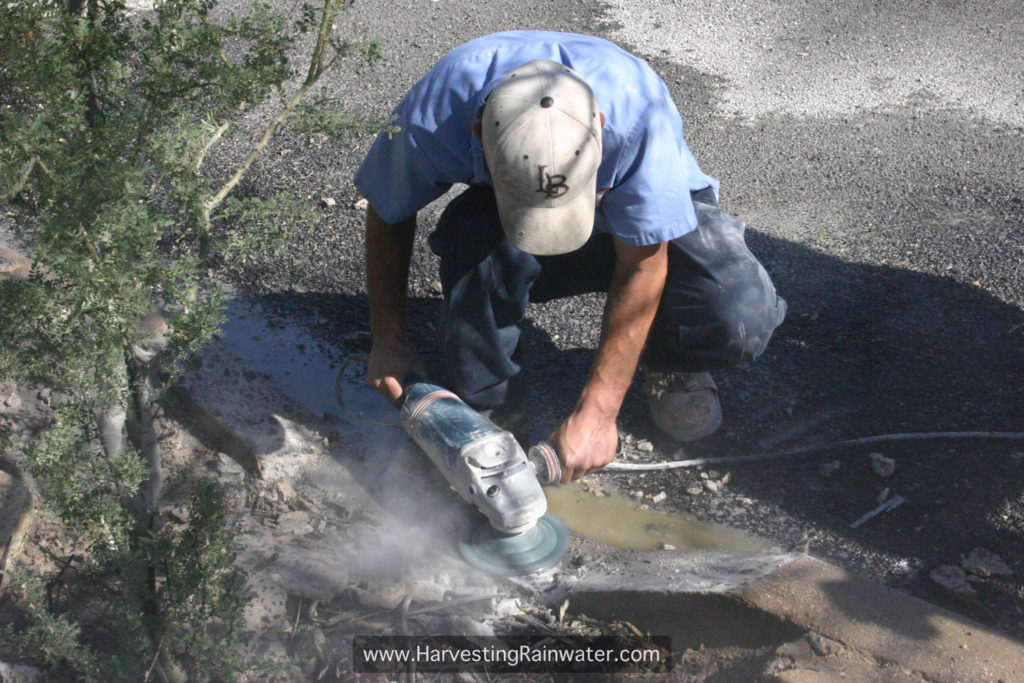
(25, 517)
(142, 432)
(316, 70)
(201, 156)
(30, 165)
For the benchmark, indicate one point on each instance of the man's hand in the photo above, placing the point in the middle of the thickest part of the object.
(584, 445)
(389, 364)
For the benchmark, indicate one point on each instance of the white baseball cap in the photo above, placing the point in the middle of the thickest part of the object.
(541, 133)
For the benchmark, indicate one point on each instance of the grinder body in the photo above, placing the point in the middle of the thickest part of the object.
(483, 463)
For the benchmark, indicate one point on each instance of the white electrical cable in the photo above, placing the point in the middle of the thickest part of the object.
(729, 460)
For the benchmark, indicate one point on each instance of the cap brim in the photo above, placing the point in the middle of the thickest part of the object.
(544, 230)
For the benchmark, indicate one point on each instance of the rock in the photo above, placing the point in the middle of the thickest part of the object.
(13, 400)
(694, 489)
(883, 494)
(361, 205)
(229, 470)
(294, 523)
(507, 608)
(777, 665)
(436, 287)
(268, 605)
(328, 202)
(827, 469)
(13, 266)
(153, 323)
(666, 546)
(467, 626)
(177, 513)
(309, 641)
(285, 490)
(234, 495)
(952, 578)
(983, 562)
(269, 650)
(726, 478)
(882, 465)
(659, 497)
(712, 485)
(19, 673)
(645, 446)
(823, 646)
(44, 394)
(390, 593)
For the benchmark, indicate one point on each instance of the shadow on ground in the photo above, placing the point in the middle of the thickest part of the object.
(866, 350)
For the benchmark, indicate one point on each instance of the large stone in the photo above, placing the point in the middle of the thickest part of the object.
(19, 673)
(249, 418)
(952, 578)
(13, 266)
(269, 604)
(983, 562)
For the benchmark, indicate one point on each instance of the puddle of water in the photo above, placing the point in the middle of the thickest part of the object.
(283, 348)
(620, 522)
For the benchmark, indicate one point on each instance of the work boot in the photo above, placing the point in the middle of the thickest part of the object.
(684, 405)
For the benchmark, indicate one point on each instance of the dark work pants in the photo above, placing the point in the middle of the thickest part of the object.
(719, 306)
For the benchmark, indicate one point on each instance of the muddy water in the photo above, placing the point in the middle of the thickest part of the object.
(620, 522)
(284, 350)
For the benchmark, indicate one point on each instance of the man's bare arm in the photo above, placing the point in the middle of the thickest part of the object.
(388, 253)
(588, 438)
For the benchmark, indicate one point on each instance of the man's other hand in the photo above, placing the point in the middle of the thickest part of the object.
(389, 364)
(584, 444)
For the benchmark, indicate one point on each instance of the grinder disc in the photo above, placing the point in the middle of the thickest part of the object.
(488, 549)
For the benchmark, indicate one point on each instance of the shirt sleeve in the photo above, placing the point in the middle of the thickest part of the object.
(424, 146)
(397, 176)
(651, 201)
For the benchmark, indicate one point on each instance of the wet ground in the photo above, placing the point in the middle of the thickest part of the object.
(881, 176)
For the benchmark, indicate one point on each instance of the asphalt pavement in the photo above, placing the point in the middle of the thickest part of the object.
(875, 151)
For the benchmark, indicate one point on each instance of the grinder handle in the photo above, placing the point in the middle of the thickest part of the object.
(545, 463)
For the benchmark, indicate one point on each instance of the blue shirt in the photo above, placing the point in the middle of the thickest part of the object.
(647, 171)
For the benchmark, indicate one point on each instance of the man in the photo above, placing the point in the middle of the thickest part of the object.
(579, 180)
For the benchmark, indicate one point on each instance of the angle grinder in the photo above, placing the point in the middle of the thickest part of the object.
(489, 469)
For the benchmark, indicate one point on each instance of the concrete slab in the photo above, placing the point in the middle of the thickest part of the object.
(774, 600)
(887, 624)
(251, 419)
(389, 522)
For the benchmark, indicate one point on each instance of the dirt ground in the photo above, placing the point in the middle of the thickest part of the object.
(302, 639)
(960, 494)
(310, 640)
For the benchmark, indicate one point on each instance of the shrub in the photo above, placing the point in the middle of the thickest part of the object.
(107, 118)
